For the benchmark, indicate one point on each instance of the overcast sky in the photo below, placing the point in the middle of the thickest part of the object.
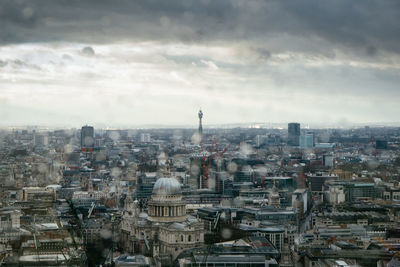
(130, 63)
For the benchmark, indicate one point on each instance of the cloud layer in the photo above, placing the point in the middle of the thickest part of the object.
(366, 27)
(156, 62)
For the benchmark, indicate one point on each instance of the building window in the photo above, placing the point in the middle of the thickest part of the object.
(190, 238)
(181, 238)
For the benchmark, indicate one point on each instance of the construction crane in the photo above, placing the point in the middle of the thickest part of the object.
(79, 224)
(146, 241)
(218, 159)
(66, 249)
(387, 246)
(205, 171)
(70, 258)
(262, 182)
(110, 257)
(262, 175)
(372, 139)
(210, 157)
(207, 162)
(216, 222)
(91, 209)
(36, 245)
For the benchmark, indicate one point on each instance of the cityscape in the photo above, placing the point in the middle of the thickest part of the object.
(200, 197)
(199, 133)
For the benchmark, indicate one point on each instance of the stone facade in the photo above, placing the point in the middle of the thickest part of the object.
(165, 230)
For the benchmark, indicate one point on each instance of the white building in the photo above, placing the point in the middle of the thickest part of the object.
(96, 195)
(145, 137)
(300, 200)
(38, 193)
(336, 194)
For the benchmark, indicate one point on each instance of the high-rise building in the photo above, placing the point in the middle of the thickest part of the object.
(307, 140)
(381, 144)
(145, 137)
(87, 136)
(41, 140)
(294, 134)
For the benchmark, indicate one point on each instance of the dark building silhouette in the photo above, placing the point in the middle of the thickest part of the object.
(294, 134)
(381, 144)
(87, 136)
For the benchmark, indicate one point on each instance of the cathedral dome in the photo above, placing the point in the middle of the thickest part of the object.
(166, 203)
(167, 187)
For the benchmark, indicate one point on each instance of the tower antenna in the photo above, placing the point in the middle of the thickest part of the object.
(200, 123)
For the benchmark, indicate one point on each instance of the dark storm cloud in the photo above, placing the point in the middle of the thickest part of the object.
(364, 27)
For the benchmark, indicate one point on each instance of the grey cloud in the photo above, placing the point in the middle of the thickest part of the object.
(3, 63)
(371, 50)
(67, 57)
(88, 51)
(19, 64)
(263, 54)
(310, 26)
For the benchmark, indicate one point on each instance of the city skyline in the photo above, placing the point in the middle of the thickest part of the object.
(199, 133)
(148, 63)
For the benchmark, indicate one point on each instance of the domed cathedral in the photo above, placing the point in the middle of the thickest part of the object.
(165, 230)
(166, 204)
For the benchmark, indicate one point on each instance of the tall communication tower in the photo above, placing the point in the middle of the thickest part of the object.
(200, 123)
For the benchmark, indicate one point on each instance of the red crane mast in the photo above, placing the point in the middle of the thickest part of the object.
(218, 157)
(207, 165)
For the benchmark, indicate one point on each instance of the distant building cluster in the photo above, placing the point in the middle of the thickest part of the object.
(200, 197)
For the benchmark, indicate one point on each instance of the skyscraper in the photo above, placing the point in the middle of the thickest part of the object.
(87, 137)
(293, 134)
(307, 140)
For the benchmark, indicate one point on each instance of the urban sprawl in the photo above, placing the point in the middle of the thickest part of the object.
(200, 196)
